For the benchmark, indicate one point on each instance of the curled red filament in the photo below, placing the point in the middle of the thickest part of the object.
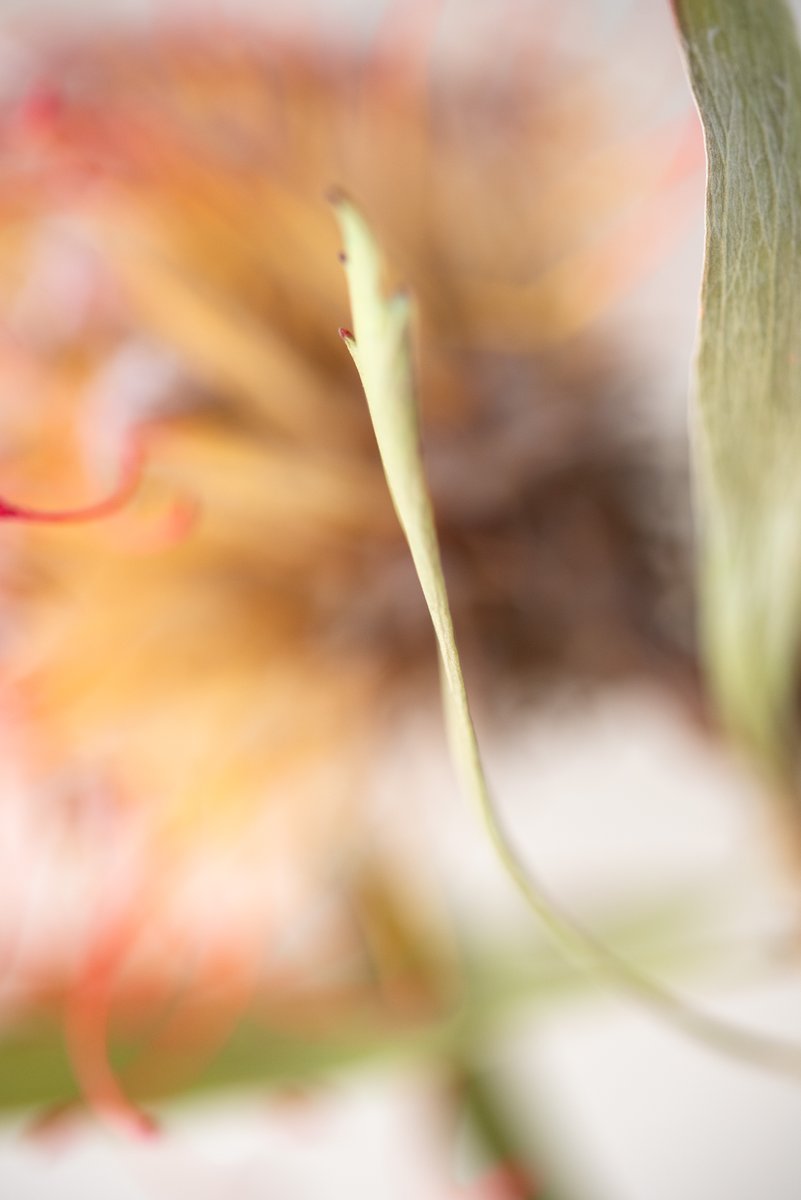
(123, 492)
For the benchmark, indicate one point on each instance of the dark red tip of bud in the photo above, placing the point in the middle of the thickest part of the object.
(345, 334)
(343, 258)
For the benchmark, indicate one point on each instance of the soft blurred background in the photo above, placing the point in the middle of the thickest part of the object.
(254, 942)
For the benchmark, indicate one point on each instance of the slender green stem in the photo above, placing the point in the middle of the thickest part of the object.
(381, 349)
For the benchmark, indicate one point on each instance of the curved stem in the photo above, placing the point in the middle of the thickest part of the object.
(381, 349)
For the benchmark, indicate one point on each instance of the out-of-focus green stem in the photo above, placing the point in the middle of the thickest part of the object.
(496, 983)
(35, 1070)
(509, 1156)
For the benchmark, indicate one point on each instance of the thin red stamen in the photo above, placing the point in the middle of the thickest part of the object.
(107, 507)
(87, 1030)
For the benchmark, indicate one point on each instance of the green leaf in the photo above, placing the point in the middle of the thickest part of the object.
(381, 348)
(745, 69)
